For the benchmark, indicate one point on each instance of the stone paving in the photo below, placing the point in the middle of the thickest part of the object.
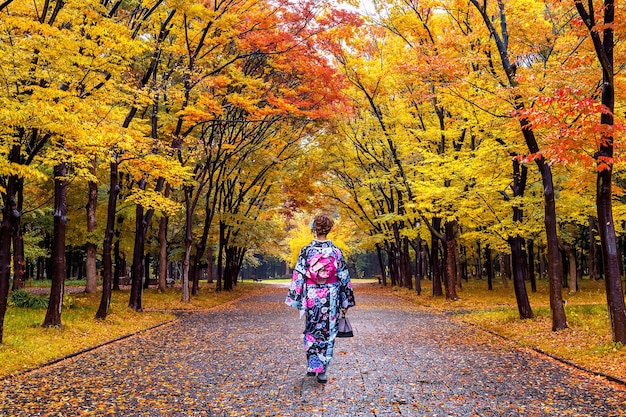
(245, 358)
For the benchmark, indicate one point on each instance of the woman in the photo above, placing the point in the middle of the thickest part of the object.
(320, 288)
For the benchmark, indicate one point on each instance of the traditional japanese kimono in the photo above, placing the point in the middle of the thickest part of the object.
(320, 287)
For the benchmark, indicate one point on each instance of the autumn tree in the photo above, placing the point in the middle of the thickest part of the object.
(601, 31)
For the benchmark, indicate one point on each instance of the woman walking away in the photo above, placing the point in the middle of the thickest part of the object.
(320, 289)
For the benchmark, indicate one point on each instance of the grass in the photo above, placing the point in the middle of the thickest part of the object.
(586, 342)
(27, 344)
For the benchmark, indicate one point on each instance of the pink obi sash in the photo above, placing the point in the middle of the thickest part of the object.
(332, 280)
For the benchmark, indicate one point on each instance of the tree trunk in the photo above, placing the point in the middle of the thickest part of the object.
(188, 241)
(450, 275)
(210, 266)
(137, 274)
(604, 42)
(381, 262)
(406, 264)
(531, 265)
(434, 259)
(53, 314)
(92, 224)
(419, 266)
(523, 305)
(555, 264)
(570, 252)
(162, 278)
(146, 270)
(612, 280)
(479, 264)
(489, 267)
(107, 244)
(594, 250)
(19, 259)
(9, 216)
(505, 268)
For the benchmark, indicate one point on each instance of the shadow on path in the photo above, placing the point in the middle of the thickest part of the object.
(246, 359)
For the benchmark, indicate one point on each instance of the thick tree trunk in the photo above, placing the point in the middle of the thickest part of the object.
(613, 283)
(92, 224)
(107, 244)
(604, 42)
(53, 314)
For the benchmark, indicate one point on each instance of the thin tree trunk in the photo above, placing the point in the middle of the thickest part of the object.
(210, 266)
(162, 279)
(593, 248)
(523, 305)
(107, 244)
(450, 275)
(53, 314)
(137, 274)
(434, 259)
(531, 265)
(9, 216)
(92, 224)
(489, 267)
(381, 262)
(188, 241)
(479, 264)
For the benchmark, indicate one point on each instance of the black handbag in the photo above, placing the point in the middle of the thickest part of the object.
(344, 327)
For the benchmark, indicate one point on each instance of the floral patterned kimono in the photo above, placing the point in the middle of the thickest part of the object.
(320, 287)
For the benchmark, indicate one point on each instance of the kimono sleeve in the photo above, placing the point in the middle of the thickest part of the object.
(297, 288)
(346, 294)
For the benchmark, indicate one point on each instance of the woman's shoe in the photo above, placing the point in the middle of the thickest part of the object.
(321, 378)
(310, 373)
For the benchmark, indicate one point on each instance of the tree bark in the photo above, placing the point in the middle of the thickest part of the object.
(531, 265)
(9, 216)
(434, 259)
(450, 276)
(489, 267)
(53, 314)
(604, 43)
(570, 252)
(593, 249)
(523, 305)
(137, 274)
(107, 244)
(92, 224)
(162, 278)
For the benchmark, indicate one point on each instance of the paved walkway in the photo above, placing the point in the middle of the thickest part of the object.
(245, 359)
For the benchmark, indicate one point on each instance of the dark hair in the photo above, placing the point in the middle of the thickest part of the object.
(322, 224)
